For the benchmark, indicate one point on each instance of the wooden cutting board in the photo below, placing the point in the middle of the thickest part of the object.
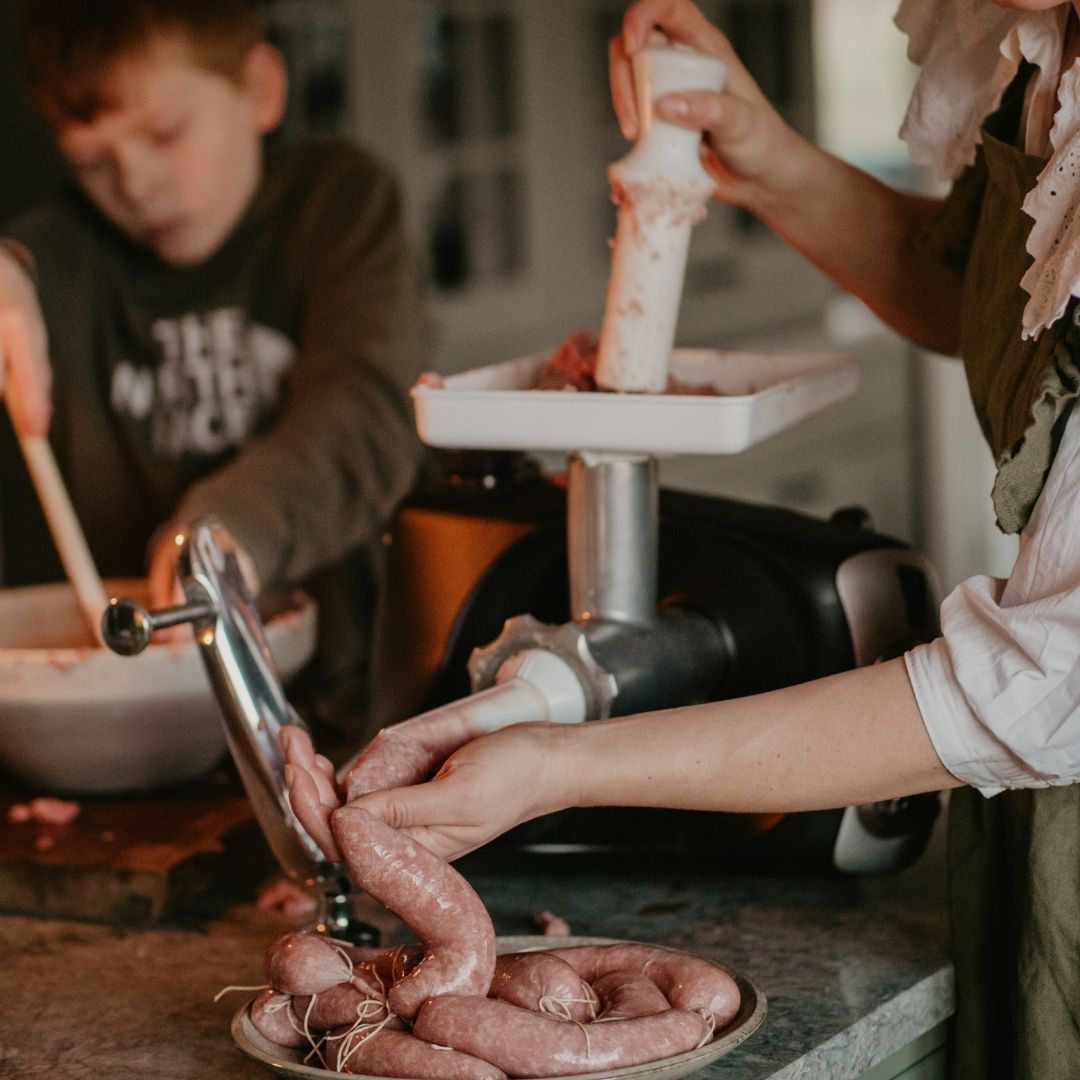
(137, 860)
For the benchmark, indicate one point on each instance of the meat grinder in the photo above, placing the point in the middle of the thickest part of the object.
(655, 598)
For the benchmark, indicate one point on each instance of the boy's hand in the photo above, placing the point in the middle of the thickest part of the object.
(746, 140)
(163, 586)
(25, 375)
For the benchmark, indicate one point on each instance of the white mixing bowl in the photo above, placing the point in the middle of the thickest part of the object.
(76, 719)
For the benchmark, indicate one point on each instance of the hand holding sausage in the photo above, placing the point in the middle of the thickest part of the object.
(487, 787)
(746, 142)
(25, 375)
(312, 787)
(431, 898)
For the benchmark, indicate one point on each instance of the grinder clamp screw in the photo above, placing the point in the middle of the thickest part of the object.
(127, 626)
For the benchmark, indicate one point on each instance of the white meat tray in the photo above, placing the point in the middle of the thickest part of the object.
(491, 408)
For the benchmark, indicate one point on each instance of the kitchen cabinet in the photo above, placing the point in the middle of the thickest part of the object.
(922, 1059)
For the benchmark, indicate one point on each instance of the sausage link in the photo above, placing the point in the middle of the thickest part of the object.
(409, 752)
(391, 759)
(543, 983)
(524, 1043)
(688, 982)
(339, 1006)
(304, 963)
(397, 1053)
(436, 903)
(271, 1014)
(625, 994)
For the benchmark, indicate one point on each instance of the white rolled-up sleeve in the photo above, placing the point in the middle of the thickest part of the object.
(999, 691)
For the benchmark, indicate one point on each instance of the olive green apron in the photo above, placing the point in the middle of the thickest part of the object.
(1014, 860)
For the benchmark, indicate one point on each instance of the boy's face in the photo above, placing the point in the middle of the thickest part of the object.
(174, 163)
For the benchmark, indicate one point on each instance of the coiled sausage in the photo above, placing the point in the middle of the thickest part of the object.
(436, 903)
(524, 1043)
(688, 982)
(543, 983)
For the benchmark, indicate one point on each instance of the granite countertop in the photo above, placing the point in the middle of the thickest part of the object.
(852, 970)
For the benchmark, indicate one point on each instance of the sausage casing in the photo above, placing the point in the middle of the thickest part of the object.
(397, 1053)
(543, 983)
(436, 903)
(525, 1043)
(688, 982)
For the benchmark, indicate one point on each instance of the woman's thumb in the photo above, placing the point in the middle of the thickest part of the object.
(400, 808)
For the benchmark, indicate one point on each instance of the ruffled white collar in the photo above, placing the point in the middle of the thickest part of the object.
(969, 51)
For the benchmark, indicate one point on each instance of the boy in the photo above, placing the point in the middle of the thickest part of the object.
(232, 327)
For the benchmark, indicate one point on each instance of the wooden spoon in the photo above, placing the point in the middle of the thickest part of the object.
(66, 531)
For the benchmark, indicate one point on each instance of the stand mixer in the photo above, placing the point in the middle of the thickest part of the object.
(648, 627)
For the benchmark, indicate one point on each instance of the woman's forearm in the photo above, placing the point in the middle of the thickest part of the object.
(857, 230)
(862, 233)
(849, 738)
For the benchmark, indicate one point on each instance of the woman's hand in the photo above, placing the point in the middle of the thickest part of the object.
(487, 787)
(856, 229)
(745, 139)
(25, 375)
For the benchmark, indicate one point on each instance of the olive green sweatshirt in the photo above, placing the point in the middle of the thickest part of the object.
(267, 386)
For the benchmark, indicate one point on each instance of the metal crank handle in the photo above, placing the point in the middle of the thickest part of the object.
(128, 626)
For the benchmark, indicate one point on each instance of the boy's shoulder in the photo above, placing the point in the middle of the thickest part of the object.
(327, 162)
(323, 194)
(327, 191)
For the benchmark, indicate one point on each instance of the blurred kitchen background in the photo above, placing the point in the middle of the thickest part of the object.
(495, 114)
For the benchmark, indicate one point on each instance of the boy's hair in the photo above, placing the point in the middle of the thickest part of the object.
(68, 46)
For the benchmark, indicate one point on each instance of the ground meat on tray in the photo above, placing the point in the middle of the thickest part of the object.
(572, 366)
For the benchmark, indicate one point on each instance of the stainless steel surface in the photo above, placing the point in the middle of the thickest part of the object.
(229, 631)
(127, 626)
(613, 537)
(245, 680)
(622, 668)
(680, 660)
(627, 656)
